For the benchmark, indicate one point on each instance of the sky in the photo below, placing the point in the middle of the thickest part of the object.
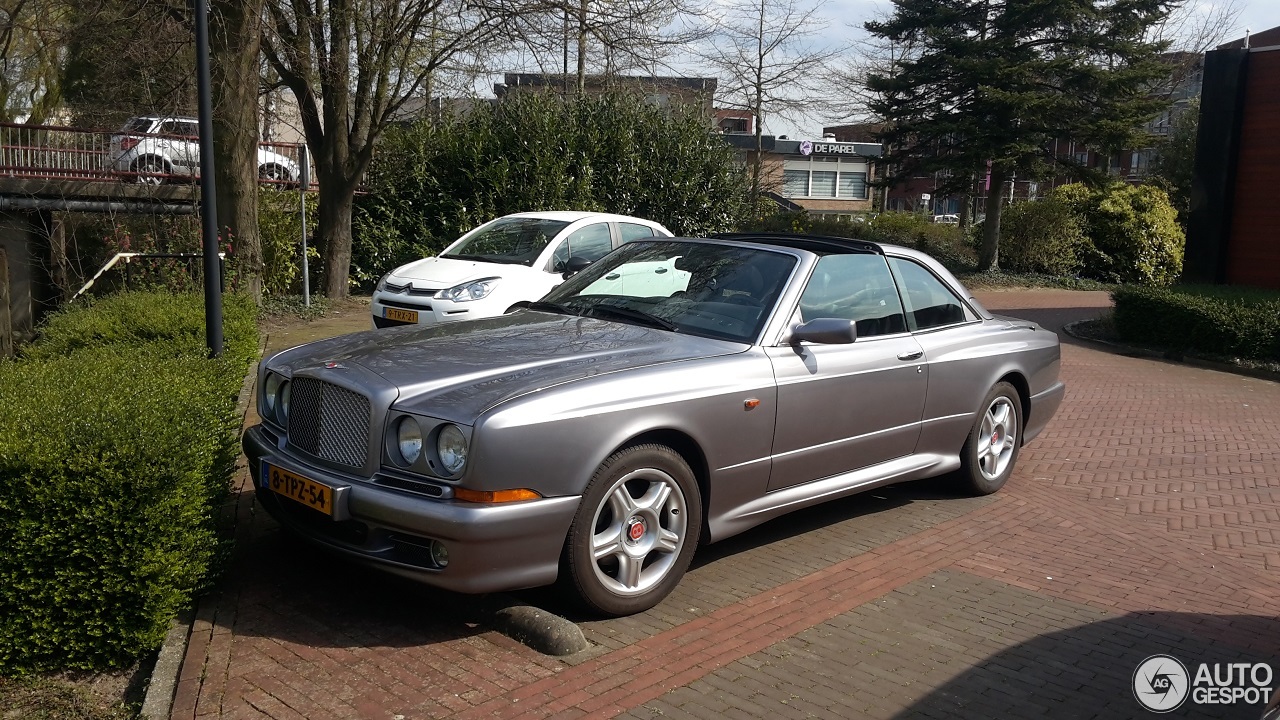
(845, 18)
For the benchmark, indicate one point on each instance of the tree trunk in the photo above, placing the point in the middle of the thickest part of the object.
(235, 32)
(337, 195)
(989, 254)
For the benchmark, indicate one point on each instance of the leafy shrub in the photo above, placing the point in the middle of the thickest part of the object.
(432, 181)
(117, 446)
(1043, 237)
(280, 229)
(800, 221)
(1212, 321)
(1133, 232)
(944, 242)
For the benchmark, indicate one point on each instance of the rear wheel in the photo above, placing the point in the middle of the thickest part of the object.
(150, 171)
(991, 451)
(273, 174)
(635, 531)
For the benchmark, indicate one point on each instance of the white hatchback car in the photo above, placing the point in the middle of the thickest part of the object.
(514, 258)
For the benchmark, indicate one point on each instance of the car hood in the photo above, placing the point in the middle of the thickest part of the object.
(446, 272)
(457, 371)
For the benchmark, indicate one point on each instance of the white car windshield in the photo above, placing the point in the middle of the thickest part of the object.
(513, 241)
(706, 289)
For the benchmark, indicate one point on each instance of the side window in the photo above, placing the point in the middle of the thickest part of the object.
(187, 129)
(591, 242)
(632, 231)
(929, 303)
(169, 127)
(854, 287)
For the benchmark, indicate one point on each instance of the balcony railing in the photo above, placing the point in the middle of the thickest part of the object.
(62, 153)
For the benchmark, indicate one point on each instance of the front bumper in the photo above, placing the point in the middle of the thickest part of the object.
(491, 547)
(429, 310)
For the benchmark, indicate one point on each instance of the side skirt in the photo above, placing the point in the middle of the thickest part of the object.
(780, 502)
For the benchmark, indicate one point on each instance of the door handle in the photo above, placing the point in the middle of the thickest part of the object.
(660, 270)
(912, 355)
(612, 276)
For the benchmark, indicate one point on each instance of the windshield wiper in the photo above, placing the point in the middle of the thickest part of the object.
(640, 316)
(545, 306)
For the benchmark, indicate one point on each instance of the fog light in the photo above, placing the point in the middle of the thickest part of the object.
(439, 554)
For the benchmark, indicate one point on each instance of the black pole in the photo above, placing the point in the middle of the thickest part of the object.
(208, 205)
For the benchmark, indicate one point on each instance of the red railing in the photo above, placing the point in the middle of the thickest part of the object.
(63, 153)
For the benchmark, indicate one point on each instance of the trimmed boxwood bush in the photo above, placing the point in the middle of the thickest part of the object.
(114, 462)
(137, 318)
(1214, 321)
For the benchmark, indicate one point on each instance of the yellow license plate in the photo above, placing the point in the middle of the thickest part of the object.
(295, 487)
(400, 315)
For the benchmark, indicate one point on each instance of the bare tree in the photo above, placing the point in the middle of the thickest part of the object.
(33, 37)
(607, 36)
(352, 64)
(764, 53)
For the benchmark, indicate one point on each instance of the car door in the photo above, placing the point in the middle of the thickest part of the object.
(955, 347)
(181, 146)
(846, 407)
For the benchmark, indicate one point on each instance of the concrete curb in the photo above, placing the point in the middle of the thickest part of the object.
(163, 685)
(1170, 356)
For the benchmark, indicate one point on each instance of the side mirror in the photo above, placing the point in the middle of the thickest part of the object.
(575, 264)
(827, 331)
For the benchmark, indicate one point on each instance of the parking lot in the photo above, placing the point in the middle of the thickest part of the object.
(1143, 521)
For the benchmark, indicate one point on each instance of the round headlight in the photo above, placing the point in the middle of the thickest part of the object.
(409, 439)
(286, 389)
(451, 446)
(272, 391)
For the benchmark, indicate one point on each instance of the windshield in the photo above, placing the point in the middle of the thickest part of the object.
(516, 241)
(139, 125)
(713, 290)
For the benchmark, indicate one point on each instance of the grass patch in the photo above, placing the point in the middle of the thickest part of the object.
(43, 698)
(293, 306)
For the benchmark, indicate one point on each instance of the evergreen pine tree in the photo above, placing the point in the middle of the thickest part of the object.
(991, 84)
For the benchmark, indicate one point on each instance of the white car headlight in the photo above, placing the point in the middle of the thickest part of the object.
(470, 290)
(451, 448)
(409, 439)
(382, 283)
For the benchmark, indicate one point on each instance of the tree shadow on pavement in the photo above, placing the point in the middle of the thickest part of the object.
(1090, 671)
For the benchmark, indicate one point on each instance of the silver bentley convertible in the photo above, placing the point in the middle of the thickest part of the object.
(673, 393)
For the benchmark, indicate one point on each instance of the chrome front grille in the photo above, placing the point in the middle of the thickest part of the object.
(329, 422)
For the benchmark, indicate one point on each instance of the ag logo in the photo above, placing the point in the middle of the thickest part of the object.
(1161, 683)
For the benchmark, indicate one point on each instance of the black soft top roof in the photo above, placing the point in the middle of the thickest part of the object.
(822, 244)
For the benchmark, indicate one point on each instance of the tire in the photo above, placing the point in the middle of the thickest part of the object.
(274, 174)
(150, 171)
(991, 450)
(635, 531)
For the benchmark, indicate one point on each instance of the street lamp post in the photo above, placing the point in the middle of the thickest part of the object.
(208, 204)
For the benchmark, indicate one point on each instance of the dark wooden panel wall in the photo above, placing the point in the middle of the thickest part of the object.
(1253, 249)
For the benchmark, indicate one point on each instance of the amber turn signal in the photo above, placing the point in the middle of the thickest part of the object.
(494, 496)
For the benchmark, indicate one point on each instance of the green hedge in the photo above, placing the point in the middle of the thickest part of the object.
(138, 318)
(115, 458)
(1214, 321)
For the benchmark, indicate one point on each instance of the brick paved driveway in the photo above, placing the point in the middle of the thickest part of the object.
(1143, 521)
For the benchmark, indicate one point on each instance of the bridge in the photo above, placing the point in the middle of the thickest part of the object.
(46, 169)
